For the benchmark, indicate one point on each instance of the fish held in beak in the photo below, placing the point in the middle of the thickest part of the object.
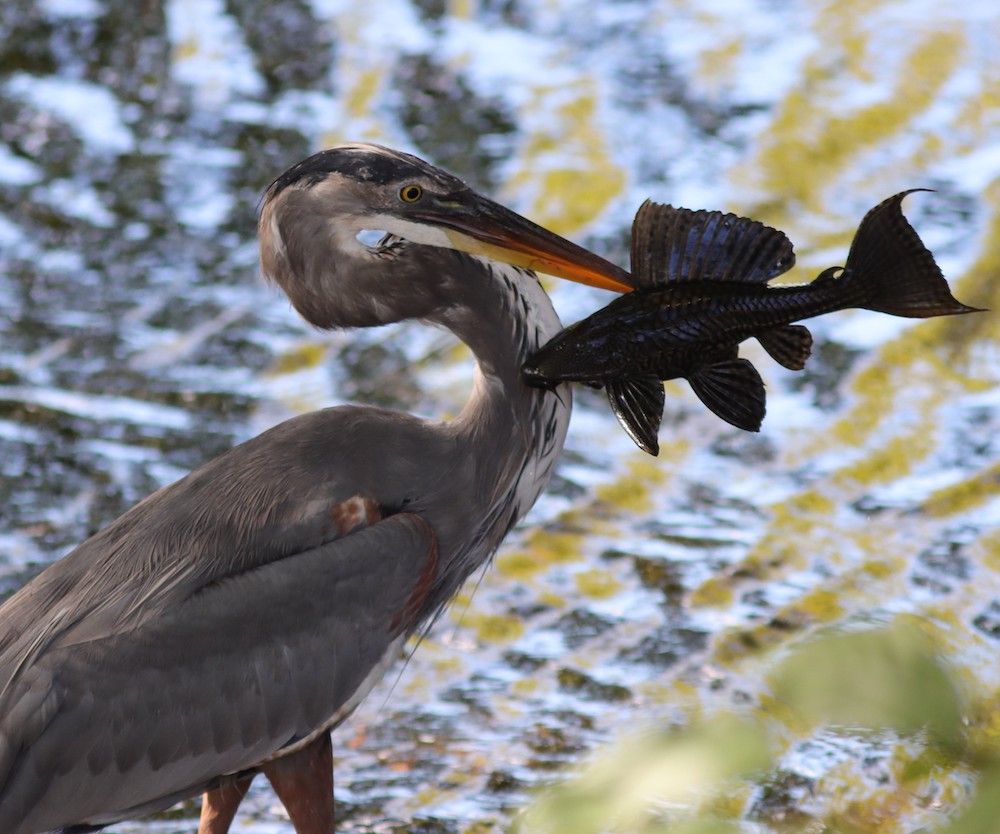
(701, 282)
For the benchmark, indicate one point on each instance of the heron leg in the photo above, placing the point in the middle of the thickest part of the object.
(218, 807)
(303, 782)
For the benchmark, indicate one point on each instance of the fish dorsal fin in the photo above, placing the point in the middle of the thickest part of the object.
(734, 391)
(638, 405)
(677, 244)
(788, 345)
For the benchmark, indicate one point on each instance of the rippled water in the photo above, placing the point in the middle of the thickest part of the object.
(138, 342)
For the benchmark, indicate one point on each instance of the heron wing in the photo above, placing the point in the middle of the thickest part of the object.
(262, 501)
(242, 669)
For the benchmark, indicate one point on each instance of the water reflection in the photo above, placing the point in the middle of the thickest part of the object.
(137, 341)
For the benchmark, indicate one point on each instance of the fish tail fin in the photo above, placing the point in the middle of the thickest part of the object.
(790, 345)
(638, 405)
(898, 272)
(734, 391)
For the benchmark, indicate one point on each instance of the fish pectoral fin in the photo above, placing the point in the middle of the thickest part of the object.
(789, 345)
(638, 405)
(734, 391)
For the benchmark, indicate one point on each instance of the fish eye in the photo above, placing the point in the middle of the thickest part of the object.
(410, 193)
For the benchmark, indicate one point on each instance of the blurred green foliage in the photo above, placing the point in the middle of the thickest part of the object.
(885, 678)
(701, 779)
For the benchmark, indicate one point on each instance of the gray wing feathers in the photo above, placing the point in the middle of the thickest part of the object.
(213, 686)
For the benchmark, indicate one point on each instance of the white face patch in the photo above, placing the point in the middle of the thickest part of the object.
(277, 241)
(354, 236)
(414, 232)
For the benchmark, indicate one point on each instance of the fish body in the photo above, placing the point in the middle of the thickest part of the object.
(701, 282)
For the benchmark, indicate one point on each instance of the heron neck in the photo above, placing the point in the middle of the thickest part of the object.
(518, 430)
(510, 433)
(503, 319)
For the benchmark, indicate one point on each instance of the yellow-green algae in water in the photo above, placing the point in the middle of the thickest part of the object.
(892, 423)
(824, 158)
(303, 356)
(820, 147)
(598, 584)
(493, 628)
(776, 553)
(968, 494)
(630, 493)
(541, 549)
(570, 196)
(813, 140)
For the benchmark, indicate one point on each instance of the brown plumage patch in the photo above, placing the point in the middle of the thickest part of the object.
(354, 513)
(410, 613)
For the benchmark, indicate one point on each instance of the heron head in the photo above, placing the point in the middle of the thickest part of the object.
(327, 200)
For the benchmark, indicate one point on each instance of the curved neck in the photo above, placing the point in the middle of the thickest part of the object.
(514, 432)
(502, 313)
(502, 448)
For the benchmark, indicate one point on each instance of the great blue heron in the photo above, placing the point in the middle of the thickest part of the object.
(224, 625)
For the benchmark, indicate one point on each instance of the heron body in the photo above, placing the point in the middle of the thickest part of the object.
(224, 625)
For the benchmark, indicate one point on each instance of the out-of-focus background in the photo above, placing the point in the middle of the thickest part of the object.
(137, 341)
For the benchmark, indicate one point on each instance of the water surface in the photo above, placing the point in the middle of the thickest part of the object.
(138, 342)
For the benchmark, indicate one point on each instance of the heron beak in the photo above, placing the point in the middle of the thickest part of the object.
(488, 229)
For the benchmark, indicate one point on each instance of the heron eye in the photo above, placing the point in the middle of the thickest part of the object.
(410, 193)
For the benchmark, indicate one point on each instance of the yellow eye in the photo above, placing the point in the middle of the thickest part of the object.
(410, 193)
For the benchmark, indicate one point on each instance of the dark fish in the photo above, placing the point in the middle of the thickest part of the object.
(701, 288)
